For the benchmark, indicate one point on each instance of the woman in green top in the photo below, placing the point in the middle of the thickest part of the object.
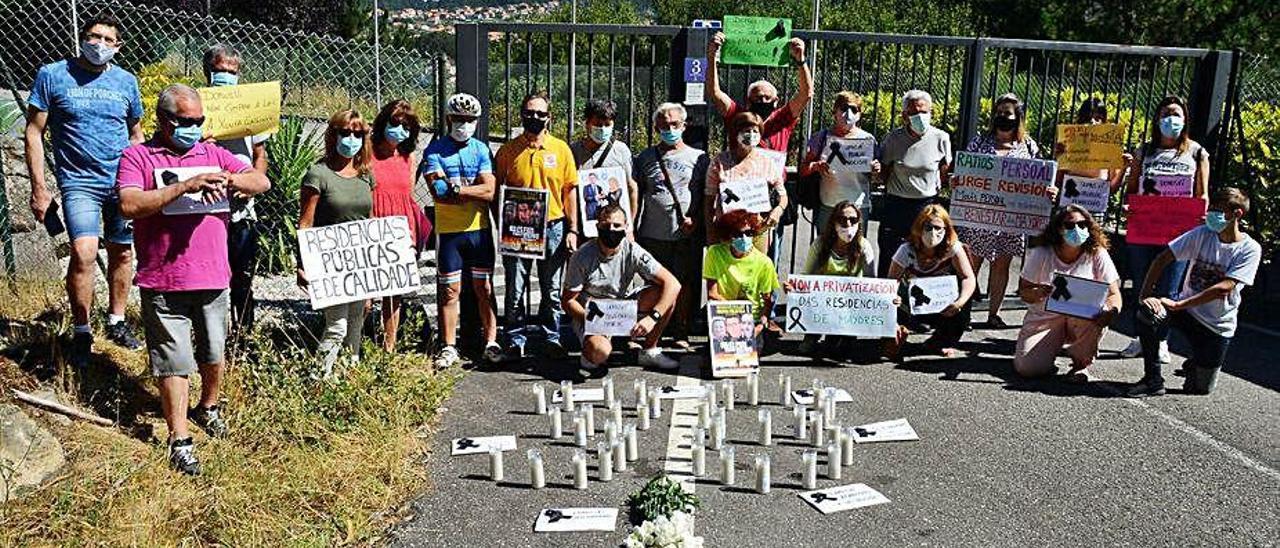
(735, 270)
(339, 189)
(840, 251)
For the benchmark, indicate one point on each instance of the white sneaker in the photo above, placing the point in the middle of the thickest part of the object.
(653, 357)
(586, 364)
(493, 352)
(448, 357)
(1134, 349)
(1163, 356)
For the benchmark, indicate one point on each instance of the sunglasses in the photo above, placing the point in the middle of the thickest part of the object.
(747, 233)
(850, 108)
(936, 228)
(539, 114)
(1069, 225)
(182, 121)
(359, 133)
(847, 221)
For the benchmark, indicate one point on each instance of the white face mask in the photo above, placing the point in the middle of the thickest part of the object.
(97, 53)
(850, 118)
(920, 122)
(749, 138)
(847, 233)
(933, 237)
(463, 131)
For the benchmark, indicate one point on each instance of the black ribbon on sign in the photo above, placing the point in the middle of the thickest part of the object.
(466, 443)
(729, 197)
(1060, 292)
(1149, 187)
(819, 498)
(835, 153)
(919, 297)
(863, 432)
(795, 314)
(555, 515)
(668, 389)
(1071, 191)
(593, 311)
(804, 393)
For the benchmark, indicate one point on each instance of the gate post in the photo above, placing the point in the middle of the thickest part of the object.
(473, 69)
(690, 42)
(971, 91)
(1209, 98)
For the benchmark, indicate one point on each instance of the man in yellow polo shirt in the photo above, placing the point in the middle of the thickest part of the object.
(535, 159)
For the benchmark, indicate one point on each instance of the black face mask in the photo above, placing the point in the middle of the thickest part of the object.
(1006, 123)
(762, 110)
(533, 126)
(611, 238)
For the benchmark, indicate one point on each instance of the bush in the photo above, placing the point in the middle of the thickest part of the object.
(1261, 127)
(153, 79)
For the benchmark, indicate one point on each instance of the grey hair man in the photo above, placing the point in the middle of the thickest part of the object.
(915, 159)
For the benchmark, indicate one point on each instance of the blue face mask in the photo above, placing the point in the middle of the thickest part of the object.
(395, 134)
(601, 134)
(1075, 237)
(1171, 126)
(1216, 221)
(741, 244)
(224, 79)
(671, 136)
(187, 137)
(350, 146)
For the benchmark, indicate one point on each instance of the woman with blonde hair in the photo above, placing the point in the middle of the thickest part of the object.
(933, 249)
(339, 189)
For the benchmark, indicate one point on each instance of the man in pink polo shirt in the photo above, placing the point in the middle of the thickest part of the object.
(176, 190)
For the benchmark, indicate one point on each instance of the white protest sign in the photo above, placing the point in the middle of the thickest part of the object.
(931, 295)
(681, 392)
(845, 156)
(894, 430)
(1076, 296)
(560, 520)
(1092, 194)
(805, 396)
(350, 262)
(1000, 193)
(190, 203)
(778, 157)
(610, 317)
(597, 188)
(580, 395)
(749, 194)
(844, 497)
(469, 446)
(842, 305)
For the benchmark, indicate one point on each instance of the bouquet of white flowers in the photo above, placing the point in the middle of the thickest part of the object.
(664, 532)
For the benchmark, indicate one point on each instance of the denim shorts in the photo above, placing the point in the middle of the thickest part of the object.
(184, 329)
(91, 212)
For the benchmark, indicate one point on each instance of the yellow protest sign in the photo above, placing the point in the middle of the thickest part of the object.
(1090, 147)
(241, 111)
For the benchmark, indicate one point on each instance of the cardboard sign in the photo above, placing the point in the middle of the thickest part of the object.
(844, 497)
(931, 295)
(1166, 185)
(894, 430)
(469, 446)
(1009, 195)
(580, 395)
(598, 188)
(842, 305)
(610, 317)
(759, 41)
(1090, 147)
(732, 338)
(560, 520)
(190, 203)
(778, 157)
(350, 262)
(1076, 296)
(681, 392)
(749, 194)
(695, 93)
(522, 222)
(695, 69)
(1157, 220)
(241, 111)
(1092, 194)
(806, 397)
(845, 156)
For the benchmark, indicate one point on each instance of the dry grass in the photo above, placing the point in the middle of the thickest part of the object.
(306, 464)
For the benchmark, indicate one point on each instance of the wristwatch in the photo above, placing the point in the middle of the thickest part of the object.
(656, 315)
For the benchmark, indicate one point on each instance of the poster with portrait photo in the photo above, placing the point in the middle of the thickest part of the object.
(597, 188)
(732, 338)
(522, 222)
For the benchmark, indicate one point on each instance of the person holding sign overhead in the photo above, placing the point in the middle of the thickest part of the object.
(183, 267)
(339, 189)
(742, 162)
(933, 249)
(1169, 164)
(1223, 259)
(841, 182)
(1093, 112)
(599, 149)
(1072, 244)
(916, 158)
(604, 268)
(538, 160)
(777, 120)
(841, 250)
(736, 270)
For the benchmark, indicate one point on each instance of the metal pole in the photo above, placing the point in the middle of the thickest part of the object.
(812, 60)
(75, 29)
(573, 70)
(377, 57)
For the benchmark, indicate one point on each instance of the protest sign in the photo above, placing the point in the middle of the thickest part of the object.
(682, 392)
(1166, 185)
(931, 295)
(1008, 195)
(1092, 194)
(190, 203)
(732, 341)
(806, 397)
(580, 395)
(749, 194)
(759, 41)
(1157, 220)
(1088, 147)
(359, 260)
(778, 157)
(609, 317)
(894, 430)
(844, 497)
(1076, 296)
(560, 520)
(522, 223)
(599, 187)
(842, 305)
(470, 446)
(846, 156)
(241, 111)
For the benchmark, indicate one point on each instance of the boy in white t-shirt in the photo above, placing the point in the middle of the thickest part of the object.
(1221, 261)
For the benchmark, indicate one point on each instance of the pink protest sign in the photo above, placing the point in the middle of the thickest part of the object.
(1157, 220)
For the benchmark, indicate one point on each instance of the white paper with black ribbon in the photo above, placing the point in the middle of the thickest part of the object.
(806, 397)
(1076, 296)
(931, 295)
(843, 497)
(894, 430)
(610, 317)
(468, 446)
(681, 392)
(560, 520)
(580, 395)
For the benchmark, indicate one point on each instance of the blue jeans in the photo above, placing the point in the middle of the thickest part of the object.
(550, 275)
(94, 212)
(1140, 259)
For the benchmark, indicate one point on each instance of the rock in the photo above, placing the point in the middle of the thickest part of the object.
(29, 454)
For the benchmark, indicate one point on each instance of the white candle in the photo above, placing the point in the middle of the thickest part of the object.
(718, 430)
(641, 389)
(704, 414)
(763, 472)
(537, 475)
(644, 417)
(615, 408)
(846, 446)
(604, 453)
(579, 430)
(655, 405)
(557, 424)
(766, 427)
(726, 387)
(810, 462)
(579, 469)
(699, 456)
(830, 401)
(802, 422)
(818, 428)
(607, 384)
(539, 399)
(726, 466)
(784, 390)
(833, 460)
(819, 395)
(753, 388)
(566, 393)
(633, 443)
(833, 431)
(619, 457)
(589, 413)
(715, 436)
(709, 391)
(610, 431)
(496, 472)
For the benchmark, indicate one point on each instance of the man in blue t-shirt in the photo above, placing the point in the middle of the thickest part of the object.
(92, 110)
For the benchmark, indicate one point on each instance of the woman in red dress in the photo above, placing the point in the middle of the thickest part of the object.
(395, 139)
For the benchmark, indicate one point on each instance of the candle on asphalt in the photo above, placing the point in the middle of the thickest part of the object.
(537, 475)
(496, 472)
(846, 445)
(607, 385)
(641, 389)
(726, 387)
(753, 388)
(655, 405)
(579, 430)
(809, 460)
(566, 394)
(539, 399)
(762, 466)
(784, 390)
(643, 414)
(589, 413)
(633, 443)
(817, 428)
(766, 427)
(615, 409)
(619, 456)
(834, 462)
(557, 424)
(579, 469)
(604, 455)
(727, 464)
(698, 447)
(802, 422)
